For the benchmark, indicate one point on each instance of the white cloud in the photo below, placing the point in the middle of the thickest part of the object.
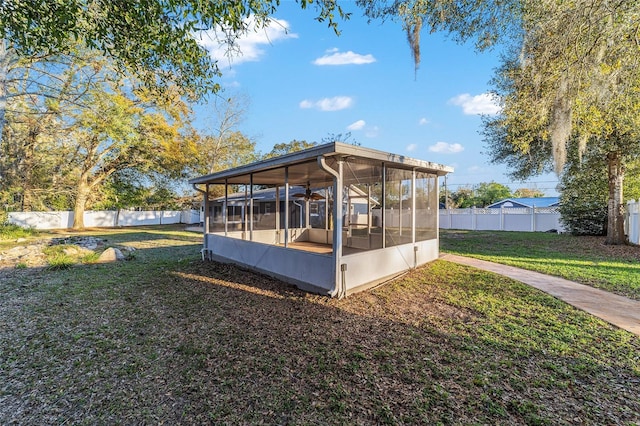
(372, 132)
(358, 125)
(248, 46)
(480, 170)
(344, 58)
(423, 121)
(412, 147)
(446, 148)
(485, 103)
(328, 104)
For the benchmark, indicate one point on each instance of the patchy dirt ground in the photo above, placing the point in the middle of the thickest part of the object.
(59, 251)
(167, 338)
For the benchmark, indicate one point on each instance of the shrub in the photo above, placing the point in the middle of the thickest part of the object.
(9, 231)
(584, 192)
(60, 261)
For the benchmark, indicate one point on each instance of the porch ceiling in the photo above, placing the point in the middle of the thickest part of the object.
(299, 174)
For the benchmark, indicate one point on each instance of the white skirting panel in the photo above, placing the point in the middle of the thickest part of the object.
(309, 271)
(371, 267)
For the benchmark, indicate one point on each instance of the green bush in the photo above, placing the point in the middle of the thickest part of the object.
(9, 231)
(60, 261)
(584, 192)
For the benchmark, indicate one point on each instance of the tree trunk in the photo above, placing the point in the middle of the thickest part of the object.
(82, 196)
(615, 207)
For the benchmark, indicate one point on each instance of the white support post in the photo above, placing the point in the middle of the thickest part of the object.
(277, 214)
(286, 206)
(348, 215)
(244, 214)
(225, 215)
(400, 207)
(369, 213)
(326, 215)
(384, 206)
(413, 206)
(251, 207)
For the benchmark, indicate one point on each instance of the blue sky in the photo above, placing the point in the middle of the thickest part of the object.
(303, 82)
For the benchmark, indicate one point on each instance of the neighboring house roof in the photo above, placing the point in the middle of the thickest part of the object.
(526, 202)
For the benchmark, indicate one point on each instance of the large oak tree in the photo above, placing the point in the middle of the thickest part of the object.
(571, 72)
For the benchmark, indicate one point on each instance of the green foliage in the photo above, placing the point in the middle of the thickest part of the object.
(574, 78)
(489, 193)
(528, 193)
(90, 258)
(463, 198)
(583, 199)
(286, 148)
(10, 231)
(156, 39)
(584, 191)
(481, 195)
(59, 260)
(132, 190)
(64, 256)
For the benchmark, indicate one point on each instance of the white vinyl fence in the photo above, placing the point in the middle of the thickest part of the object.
(502, 219)
(107, 218)
(633, 221)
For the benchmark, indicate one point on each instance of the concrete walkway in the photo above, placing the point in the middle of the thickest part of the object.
(617, 310)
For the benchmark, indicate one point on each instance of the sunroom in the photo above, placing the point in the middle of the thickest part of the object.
(333, 219)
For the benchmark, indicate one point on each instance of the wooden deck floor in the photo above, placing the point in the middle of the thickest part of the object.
(321, 248)
(312, 247)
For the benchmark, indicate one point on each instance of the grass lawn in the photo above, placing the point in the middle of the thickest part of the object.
(586, 260)
(167, 338)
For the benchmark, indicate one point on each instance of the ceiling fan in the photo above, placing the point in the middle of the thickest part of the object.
(308, 195)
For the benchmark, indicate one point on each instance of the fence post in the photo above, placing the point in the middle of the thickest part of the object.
(633, 221)
(474, 220)
(502, 217)
(533, 218)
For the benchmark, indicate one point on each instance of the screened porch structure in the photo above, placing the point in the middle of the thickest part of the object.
(332, 219)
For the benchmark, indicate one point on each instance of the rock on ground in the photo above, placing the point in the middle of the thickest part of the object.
(111, 254)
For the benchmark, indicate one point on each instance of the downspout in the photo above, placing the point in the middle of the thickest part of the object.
(340, 289)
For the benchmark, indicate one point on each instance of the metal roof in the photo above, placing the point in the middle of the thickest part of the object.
(303, 167)
(528, 202)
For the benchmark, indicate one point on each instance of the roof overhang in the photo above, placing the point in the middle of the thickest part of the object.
(302, 166)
